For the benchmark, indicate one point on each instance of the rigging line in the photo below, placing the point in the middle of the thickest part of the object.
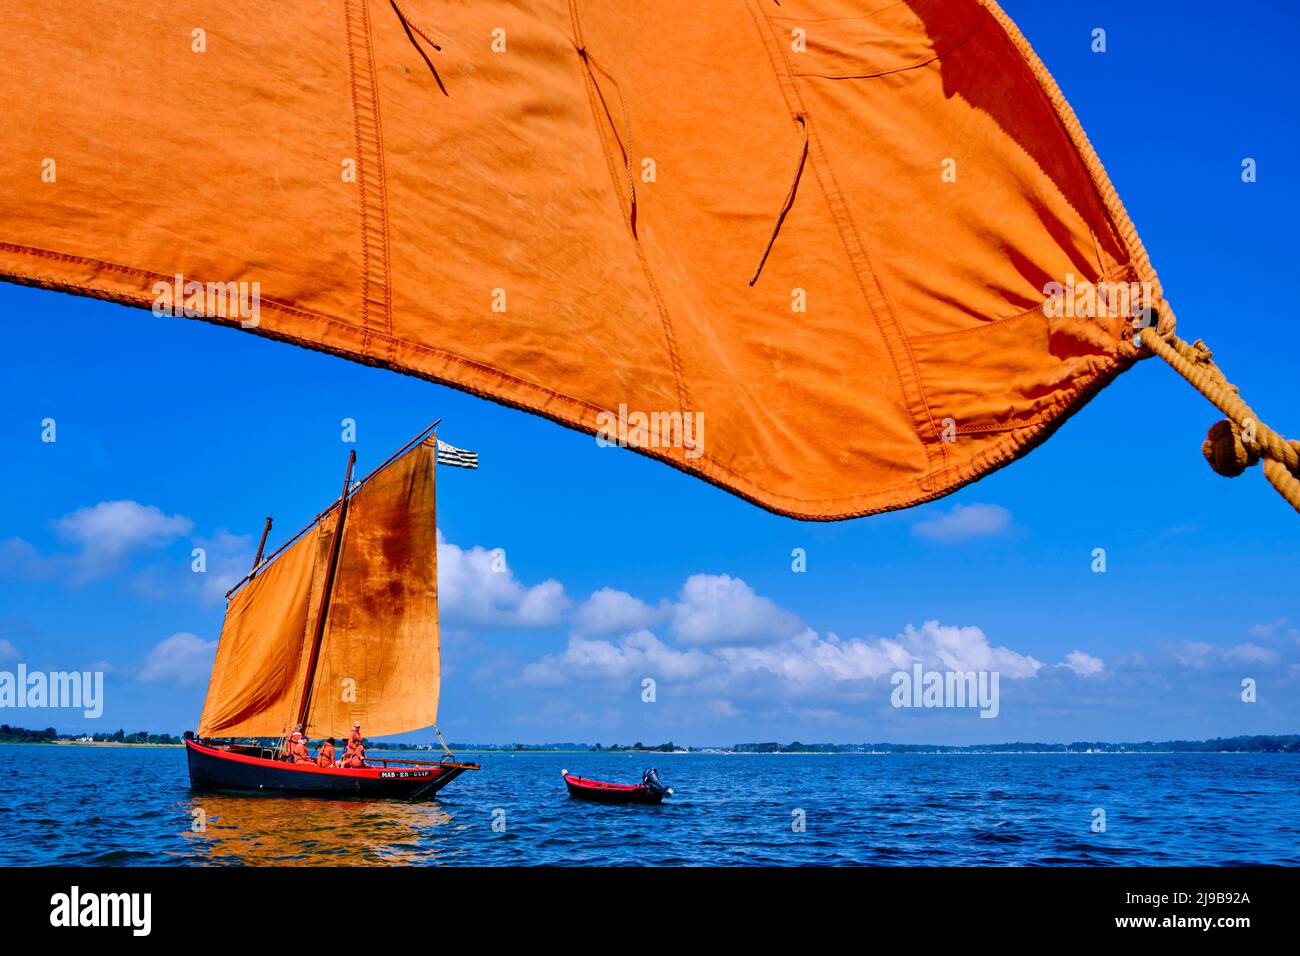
(409, 24)
(415, 25)
(789, 198)
(356, 486)
(444, 743)
(1233, 445)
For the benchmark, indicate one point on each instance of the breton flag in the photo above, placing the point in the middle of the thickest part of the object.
(459, 457)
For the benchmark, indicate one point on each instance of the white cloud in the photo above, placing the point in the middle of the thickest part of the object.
(20, 557)
(717, 609)
(1200, 655)
(103, 536)
(964, 522)
(1276, 629)
(1252, 653)
(802, 665)
(7, 651)
(632, 658)
(228, 558)
(183, 659)
(476, 586)
(808, 659)
(1268, 630)
(608, 611)
(1085, 665)
(1194, 654)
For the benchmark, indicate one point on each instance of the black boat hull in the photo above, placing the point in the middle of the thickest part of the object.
(213, 768)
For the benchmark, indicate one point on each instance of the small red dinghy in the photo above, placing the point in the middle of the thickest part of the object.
(649, 790)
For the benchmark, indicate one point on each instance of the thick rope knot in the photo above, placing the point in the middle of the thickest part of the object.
(1234, 445)
(1226, 451)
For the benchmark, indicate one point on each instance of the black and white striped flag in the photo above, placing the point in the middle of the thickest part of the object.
(458, 457)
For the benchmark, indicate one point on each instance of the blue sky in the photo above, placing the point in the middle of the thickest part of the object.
(202, 431)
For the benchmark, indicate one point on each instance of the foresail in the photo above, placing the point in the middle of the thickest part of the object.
(255, 678)
(379, 657)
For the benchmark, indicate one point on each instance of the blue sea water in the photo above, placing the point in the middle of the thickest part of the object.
(133, 806)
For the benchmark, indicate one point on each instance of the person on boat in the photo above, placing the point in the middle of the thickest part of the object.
(295, 738)
(325, 756)
(356, 733)
(355, 758)
(298, 751)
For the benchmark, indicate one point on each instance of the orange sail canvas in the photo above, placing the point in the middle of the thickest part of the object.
(379, 659)
(804, 250)
(255, 678)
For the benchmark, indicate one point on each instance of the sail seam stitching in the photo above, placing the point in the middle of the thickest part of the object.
(376, 289)
(895, 339)
(665, 319)
(1027, 436)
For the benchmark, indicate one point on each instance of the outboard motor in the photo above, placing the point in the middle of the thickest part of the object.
(650, 780)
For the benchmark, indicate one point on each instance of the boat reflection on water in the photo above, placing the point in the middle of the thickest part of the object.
(277, 831)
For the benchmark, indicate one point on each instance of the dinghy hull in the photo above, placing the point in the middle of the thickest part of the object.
(598, 791)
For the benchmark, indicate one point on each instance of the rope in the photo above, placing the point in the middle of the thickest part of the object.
(787, 202)
(416, 25)
(1242, 440)
(444, 744)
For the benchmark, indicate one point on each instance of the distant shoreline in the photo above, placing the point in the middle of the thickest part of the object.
(846, 753)
(1243, 743)
(108, 743)
(81, 743)
(498, 752)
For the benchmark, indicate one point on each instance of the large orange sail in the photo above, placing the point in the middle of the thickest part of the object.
(256, 676)
(379, 657)
(801, 249)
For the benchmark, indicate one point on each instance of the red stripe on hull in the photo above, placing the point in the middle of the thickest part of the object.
(212, 768)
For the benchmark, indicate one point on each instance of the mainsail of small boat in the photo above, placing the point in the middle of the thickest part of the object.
(338, 626)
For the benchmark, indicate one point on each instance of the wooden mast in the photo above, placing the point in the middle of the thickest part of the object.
(261, 545)
(323, 613)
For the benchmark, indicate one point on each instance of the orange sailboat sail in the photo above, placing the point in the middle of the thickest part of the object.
(811, 251)
(377, 656)
(255, 679)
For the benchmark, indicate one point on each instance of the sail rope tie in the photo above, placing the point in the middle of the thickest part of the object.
(1242, 440)
(592, 66)
(413, 24)
(789, 199)
(444, 744)
(414, 29)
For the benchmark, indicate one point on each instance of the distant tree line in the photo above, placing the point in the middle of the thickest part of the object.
(21, 735)
(1277, 743)
(1284, 743)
